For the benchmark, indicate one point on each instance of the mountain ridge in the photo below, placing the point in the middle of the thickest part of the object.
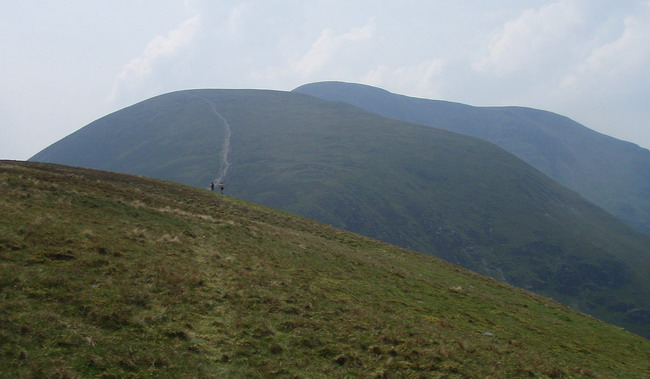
(611, 173)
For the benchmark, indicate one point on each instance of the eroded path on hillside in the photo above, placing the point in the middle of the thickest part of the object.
(225, 148)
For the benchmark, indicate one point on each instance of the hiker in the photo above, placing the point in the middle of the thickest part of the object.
(212, 186)
(221, 186)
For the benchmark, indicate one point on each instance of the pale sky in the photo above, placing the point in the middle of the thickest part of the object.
(66, 63)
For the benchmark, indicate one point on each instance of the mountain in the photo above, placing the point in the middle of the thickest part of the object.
(611, 173)
(457, 197)
(112, 275)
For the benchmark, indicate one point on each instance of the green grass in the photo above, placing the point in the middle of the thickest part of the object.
(111, 275)
(456, 197)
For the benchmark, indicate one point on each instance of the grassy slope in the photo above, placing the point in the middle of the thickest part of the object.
(108, 274)
(438, 192)
(457, 197)
(613, 174)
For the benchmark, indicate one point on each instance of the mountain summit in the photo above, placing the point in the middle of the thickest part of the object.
(457, 197)
(611, 173)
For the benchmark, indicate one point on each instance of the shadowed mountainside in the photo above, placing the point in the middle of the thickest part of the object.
(457, 197)
(609, 172)
(112, 275)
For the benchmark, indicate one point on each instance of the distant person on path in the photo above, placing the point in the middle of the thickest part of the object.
(212, 186)
(221, 187)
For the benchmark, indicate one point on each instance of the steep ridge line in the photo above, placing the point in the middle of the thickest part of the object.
(225, 149)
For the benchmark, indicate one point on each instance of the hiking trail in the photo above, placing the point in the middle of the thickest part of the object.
(225, 148)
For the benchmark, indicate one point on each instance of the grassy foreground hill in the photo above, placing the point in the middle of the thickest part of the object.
(457, 197)
(117, 275)
(612, 173)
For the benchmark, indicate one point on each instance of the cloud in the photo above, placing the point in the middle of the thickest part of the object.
(534, 39)
(331, 56)
(624, 59)
(139, 68)
(327, 45)
(236, 19)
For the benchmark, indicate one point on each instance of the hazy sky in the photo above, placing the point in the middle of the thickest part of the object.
(65, 63)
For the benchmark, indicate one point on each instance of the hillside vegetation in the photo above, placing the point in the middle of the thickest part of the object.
(457, 197)
(105, 274)
(612, 173)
